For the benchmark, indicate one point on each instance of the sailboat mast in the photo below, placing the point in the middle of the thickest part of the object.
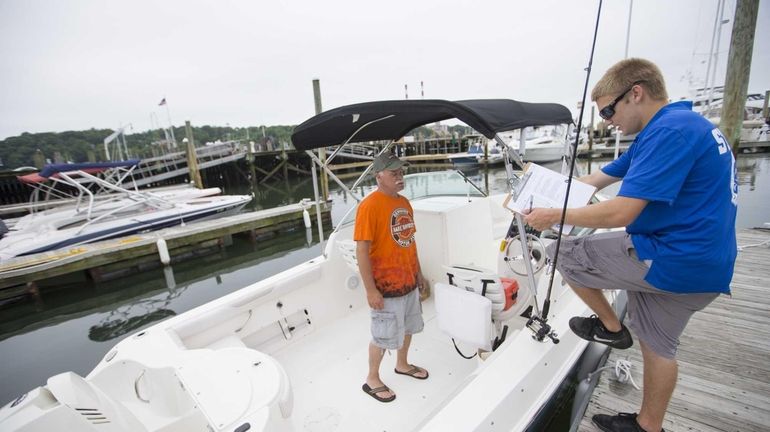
(716, 51)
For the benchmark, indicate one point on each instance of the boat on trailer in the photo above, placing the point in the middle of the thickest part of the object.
(289, 352)
(103, 205)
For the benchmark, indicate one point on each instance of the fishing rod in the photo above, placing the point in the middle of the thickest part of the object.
(547, 301)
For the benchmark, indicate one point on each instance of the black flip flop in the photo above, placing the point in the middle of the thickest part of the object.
(373, 392)
(411, 372)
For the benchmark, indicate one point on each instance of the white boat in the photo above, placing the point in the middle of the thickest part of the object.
(708, 102)
(104, 208)
(541, 143)
(289, 353)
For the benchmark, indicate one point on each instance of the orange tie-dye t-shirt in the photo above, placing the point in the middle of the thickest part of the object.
(388, 222)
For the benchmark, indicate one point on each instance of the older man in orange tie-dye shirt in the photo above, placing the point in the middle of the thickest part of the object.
(390, 269)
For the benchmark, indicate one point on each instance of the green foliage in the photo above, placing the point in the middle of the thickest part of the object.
(19, 150)
(74, 146)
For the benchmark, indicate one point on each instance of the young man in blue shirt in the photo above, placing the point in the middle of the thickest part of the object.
(678, 204)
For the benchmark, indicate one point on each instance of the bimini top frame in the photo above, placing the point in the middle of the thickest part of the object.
(391, 120)
(44, 183)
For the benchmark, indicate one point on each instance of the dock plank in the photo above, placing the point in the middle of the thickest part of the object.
(724, 372)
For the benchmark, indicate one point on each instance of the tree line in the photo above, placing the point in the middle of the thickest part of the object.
(87, 145)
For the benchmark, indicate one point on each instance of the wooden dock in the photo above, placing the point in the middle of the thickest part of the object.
(724, 358)
(606, 148)
(18, 275)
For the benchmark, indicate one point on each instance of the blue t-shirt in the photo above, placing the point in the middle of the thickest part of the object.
(685, 168)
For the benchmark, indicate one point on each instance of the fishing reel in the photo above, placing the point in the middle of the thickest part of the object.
(541, 329)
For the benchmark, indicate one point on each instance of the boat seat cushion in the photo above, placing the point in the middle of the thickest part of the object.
(464, 316)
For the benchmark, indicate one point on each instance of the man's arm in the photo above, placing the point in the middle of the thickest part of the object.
(616, 212)
(373, 296)
(599, 179)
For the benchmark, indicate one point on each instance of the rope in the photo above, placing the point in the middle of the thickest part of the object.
(622, 372)
(764, 243)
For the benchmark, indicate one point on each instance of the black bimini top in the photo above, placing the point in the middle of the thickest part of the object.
(396, 118)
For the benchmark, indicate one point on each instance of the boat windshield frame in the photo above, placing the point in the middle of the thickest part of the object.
(434, 184)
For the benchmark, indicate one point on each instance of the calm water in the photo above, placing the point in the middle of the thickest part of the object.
(77, 322)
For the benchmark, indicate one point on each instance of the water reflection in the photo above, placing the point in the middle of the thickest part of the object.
(113, 327)
(747, 171)
(128, 317)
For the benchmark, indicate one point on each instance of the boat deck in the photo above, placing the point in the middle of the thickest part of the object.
(328, 369)
(724, 372)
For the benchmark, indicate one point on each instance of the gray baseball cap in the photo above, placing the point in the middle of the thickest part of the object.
(388, 161)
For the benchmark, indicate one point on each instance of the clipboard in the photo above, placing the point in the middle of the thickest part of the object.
(541, 187)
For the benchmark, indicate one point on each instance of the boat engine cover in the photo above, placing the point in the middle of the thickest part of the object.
(232, 384)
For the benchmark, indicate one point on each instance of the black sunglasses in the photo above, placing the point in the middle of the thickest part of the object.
(609, 111)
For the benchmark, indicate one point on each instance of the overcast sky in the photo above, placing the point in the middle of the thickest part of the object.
(78, 64)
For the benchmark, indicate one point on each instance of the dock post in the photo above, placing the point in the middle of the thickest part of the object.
(251, 159)
(317, 204)
(738, 71)
(39, 159)
(765, 114)
(321, 151)
(285, 163)
(192, 157)
(486, 157)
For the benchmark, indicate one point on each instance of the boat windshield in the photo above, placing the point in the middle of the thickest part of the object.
(441, 183)
(430, 184)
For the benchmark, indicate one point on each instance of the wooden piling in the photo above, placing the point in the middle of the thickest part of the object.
(192, 158)
(738, 71)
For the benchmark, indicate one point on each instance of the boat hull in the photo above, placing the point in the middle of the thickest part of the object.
(48, 237)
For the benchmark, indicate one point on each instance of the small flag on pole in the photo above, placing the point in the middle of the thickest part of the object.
(162, 102)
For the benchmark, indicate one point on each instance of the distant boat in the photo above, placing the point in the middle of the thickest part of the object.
(103, 208)
(708, 103)
(541, 143)
(475, 155)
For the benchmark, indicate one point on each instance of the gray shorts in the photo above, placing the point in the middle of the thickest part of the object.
(608, 261)
(399, 317)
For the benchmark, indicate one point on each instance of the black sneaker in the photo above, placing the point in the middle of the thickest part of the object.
(623, 422)
(592, 329)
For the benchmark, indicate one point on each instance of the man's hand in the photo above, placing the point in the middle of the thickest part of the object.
(424, 288)
(375, 300)
(542, 219)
